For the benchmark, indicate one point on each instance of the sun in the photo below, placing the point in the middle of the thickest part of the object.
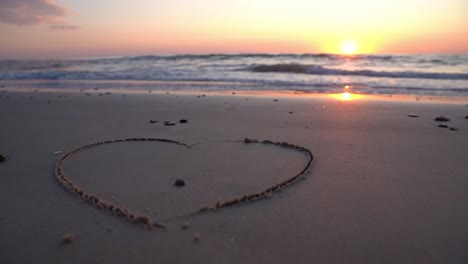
(349, 47)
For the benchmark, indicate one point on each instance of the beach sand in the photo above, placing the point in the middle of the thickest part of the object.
(383, 187)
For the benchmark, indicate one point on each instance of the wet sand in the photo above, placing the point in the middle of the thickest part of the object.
(383, 187)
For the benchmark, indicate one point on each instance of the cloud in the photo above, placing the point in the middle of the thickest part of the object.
(63, 26)
(34, 12)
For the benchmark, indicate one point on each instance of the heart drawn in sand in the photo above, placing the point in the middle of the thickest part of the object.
(145, 220)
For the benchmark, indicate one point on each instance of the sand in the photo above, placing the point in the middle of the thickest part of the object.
(384, 187)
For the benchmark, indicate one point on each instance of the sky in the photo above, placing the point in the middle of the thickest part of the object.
(100, 28)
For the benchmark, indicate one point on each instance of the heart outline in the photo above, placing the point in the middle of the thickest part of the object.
(145, 220)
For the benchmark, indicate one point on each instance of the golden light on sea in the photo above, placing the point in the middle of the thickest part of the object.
(346, 96)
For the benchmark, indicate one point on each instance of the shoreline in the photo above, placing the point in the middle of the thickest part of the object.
(183, 90)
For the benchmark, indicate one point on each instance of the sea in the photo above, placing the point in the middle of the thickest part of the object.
(421, 75)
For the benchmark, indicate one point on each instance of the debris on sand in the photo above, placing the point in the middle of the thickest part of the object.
(153, 121)
(68, 238)
(249, 140)
(442, 119)
(196, 237)
(443, 126)
(275, 100)
(2, 158)
(179, 183)
(185, 225)
(57, 152)
(413, 116)
(183, 121)
(169, 123)
(453, 129)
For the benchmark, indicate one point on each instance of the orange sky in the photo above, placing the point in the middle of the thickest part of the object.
(45, 28)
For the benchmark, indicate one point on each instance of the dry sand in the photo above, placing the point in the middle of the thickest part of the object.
(384, 187)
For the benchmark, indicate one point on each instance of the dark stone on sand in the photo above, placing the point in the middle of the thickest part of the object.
(68, 238)
(2, 158)
(153, 121)
(291, 112)
(183, 121)
(443, 126)
(169, 123)
(441, 119)
(233, 92)
(453, 128)
(179, 183)
(466, 117)
(275, 100)
(413, 115)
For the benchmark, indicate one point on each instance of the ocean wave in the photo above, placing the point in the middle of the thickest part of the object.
(320, 70)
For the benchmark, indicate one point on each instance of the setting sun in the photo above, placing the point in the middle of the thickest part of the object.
(349, 47)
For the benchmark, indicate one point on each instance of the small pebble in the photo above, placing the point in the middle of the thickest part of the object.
(453, 128)
(169, 123)
(196, 237)
(179, 183)
(183, 121)
(185, 225)
(413, 115)
(466, 117)
(153, 121)
(56, 152)
(233, 92)
(441, 119)
(291, 112)
(2, 158)
(275, 100)
(68, 238)
(443, 126)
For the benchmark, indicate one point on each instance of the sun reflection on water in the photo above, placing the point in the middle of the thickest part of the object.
(346, 96)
